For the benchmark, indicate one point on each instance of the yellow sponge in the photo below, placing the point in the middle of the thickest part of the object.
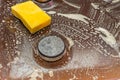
(31, 15)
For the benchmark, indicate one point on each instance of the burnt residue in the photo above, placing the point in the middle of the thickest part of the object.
(88, 59)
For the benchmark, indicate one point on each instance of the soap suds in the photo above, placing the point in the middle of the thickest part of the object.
(89, 60)
(19, 69)
(76, 17)
(18, 42)
(24, 65)
(108, 1)
(74, 78)
(71, 42)
(85, 59)
(72, 16)
(35, 74)
(95, 77)
(108, 38)
(51, 12)
(115, 1)
(3, 21)
(95, 6)
(1, 66)
(71, 4)
(51, 74)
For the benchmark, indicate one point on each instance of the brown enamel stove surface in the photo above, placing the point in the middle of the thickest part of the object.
(90, 30)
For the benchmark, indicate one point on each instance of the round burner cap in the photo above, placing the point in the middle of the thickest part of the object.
(51, 48)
